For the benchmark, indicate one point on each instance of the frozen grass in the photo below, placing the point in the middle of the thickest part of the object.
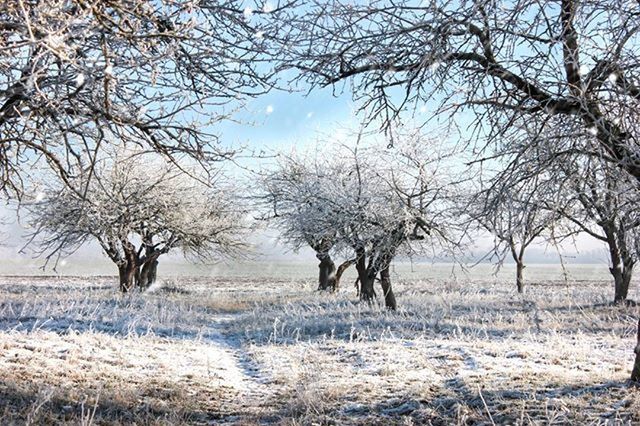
(245, 351)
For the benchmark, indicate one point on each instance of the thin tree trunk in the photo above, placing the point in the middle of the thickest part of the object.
(385, 281)
(520, 275)
(343, 267)
(518, 257)
(635, 374)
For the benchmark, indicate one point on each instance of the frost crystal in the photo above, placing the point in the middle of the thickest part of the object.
(79, 80)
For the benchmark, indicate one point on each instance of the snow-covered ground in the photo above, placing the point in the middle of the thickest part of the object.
(239, 350)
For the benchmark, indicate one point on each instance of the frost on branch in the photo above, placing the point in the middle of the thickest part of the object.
(515, 216)
(570, 66)
(368, 203)
(138, 208)
(75, 76)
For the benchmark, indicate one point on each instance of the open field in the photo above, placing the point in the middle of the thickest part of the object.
(234, 349)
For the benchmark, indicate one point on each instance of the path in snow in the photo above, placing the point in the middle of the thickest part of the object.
(237, 368)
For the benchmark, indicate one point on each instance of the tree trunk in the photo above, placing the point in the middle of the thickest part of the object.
(327, 272)
(147, 274)
(385, 281)
(626, 281)
(127, 276)
(128, 269)
(367, 292)
(635, 374)
(621, 279)
(343, 267)
(621, 269)
(520, 275)
(617, 271)
(153, 273)
(518, 257)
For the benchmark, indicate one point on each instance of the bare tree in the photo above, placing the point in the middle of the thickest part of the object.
(570, 67)
(292, 195)
(600, 200)
(370, 202)
(515, 217)
(76, 75)
(417, 183)
(138, 209)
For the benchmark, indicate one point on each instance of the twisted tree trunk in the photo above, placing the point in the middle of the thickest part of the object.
(148, 271)
(128, 267)
(127, 276)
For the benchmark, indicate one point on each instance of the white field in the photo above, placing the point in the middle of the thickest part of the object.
(257, 345)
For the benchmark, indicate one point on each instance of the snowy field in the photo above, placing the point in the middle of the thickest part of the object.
(258, 345)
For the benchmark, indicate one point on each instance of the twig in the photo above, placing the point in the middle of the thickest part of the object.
(486, 407)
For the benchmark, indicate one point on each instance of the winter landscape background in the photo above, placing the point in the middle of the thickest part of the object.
(313, 212)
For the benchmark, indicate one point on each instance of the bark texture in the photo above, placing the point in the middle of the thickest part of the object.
(147, 274)
(127, 276)
(365, 276)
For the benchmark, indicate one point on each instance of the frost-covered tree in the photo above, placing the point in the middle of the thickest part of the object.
(601, 201)
(293, 194)
(415, 186)
(569, 65)
(76, 74)
(367, 202)
(515, 216)
(139, 208)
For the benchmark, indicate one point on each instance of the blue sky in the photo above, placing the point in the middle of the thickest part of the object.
(280, 119)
